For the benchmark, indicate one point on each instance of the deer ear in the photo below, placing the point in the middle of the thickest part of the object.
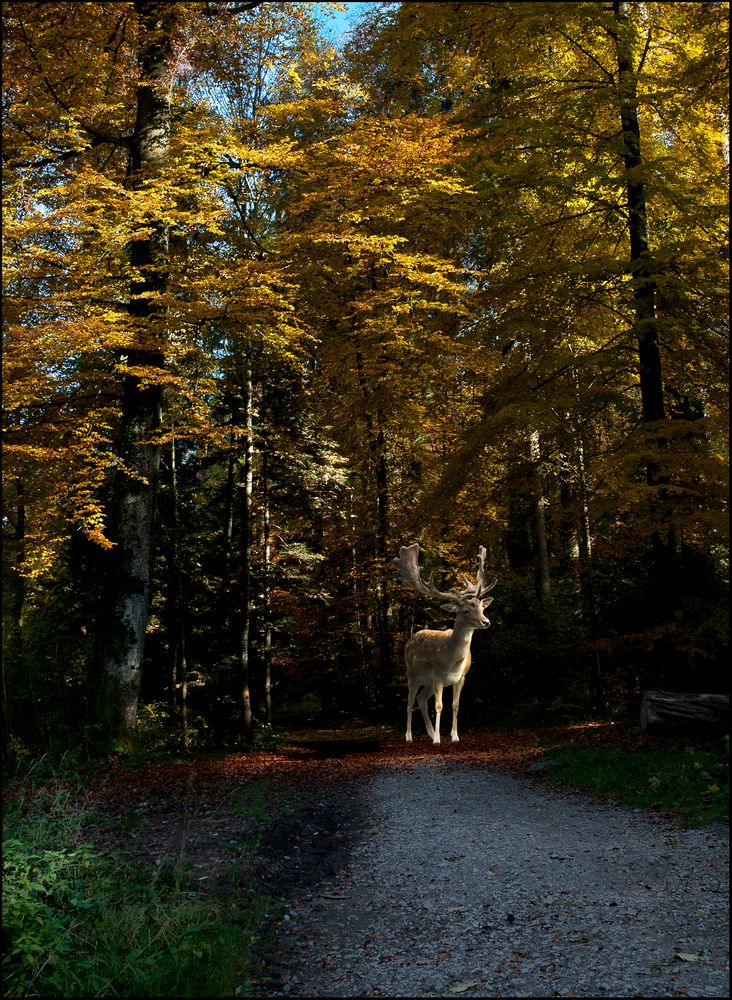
(486, 601)
(452, 608)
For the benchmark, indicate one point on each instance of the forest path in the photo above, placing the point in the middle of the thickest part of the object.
(415, 870)
(463, 880)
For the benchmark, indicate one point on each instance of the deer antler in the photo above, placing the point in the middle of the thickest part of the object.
(408, 564)
(479, 588)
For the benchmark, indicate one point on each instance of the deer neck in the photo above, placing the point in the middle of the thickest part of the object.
(461, 636)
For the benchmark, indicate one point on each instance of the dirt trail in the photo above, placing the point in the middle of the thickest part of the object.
(411, 870)
(467, 881)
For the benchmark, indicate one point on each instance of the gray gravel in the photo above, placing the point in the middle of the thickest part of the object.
(480, 884)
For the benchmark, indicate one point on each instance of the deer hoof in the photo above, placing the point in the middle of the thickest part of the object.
(456, 739)
(409, 737)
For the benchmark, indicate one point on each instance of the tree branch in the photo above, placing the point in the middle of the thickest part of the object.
(213, 9)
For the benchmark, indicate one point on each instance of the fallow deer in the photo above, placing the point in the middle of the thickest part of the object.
(436, 660)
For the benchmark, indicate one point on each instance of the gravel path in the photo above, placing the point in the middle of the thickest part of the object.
(479, 884)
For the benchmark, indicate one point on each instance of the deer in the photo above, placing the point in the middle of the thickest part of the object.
(437, 659)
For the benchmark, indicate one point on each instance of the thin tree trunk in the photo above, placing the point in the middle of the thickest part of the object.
(245, 576)
(122, 642)
(229, 518)
(376, 437)
(19, 588)
(179, 625)
(382, 555)
(14, 649)
(542, 545)
(358, 604)
(267, 557)
(587, 582)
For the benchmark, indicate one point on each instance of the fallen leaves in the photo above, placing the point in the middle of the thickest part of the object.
(325, 756)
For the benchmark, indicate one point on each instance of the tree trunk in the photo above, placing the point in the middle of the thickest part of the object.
(377, 445)
(644, 285)
(586, 574)
(382, 555)
(179, 623)
(245, 576)
(13, 651)
(265, 605)
(543, 580)
(127, 599)
(228, 534)
(673, 713)
(663, 541)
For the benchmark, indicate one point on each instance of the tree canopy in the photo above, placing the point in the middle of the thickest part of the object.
(274, 308)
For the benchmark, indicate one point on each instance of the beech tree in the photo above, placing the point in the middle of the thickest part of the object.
(112, 175)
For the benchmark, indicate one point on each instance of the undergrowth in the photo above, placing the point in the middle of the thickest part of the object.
(82, 922)
(684, 779)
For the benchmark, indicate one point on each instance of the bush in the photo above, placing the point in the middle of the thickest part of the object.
(43, 901)
(80, 922)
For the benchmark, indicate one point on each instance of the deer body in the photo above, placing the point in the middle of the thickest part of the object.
(436, 660)
(451, 651)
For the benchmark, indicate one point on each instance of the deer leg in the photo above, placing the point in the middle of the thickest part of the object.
(456, 690)
(438, 711)
(424, 695)
(413, 689)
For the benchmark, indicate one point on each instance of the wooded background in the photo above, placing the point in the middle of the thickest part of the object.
(275, 308)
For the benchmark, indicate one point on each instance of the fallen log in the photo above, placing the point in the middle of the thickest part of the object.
(675, 713)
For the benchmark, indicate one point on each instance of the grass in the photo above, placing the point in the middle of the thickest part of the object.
(684, 779)
(81, 922)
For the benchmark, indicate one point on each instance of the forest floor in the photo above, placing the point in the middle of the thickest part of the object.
(381, 868)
